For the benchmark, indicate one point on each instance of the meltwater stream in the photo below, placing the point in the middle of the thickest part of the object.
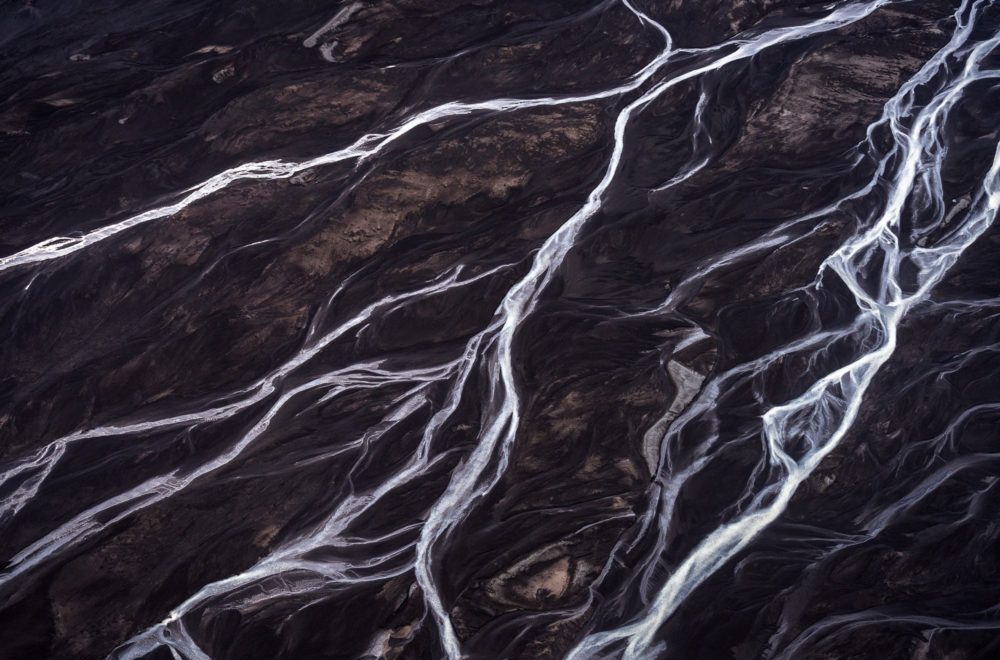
(445, 427)
(799, 433)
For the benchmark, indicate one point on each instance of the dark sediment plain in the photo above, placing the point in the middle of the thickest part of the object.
(475, 329)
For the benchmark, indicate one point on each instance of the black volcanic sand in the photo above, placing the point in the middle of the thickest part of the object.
(109, 108)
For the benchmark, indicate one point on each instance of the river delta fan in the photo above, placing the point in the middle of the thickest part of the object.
(624, 329)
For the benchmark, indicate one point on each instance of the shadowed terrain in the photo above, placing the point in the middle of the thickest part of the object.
(530, 329)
